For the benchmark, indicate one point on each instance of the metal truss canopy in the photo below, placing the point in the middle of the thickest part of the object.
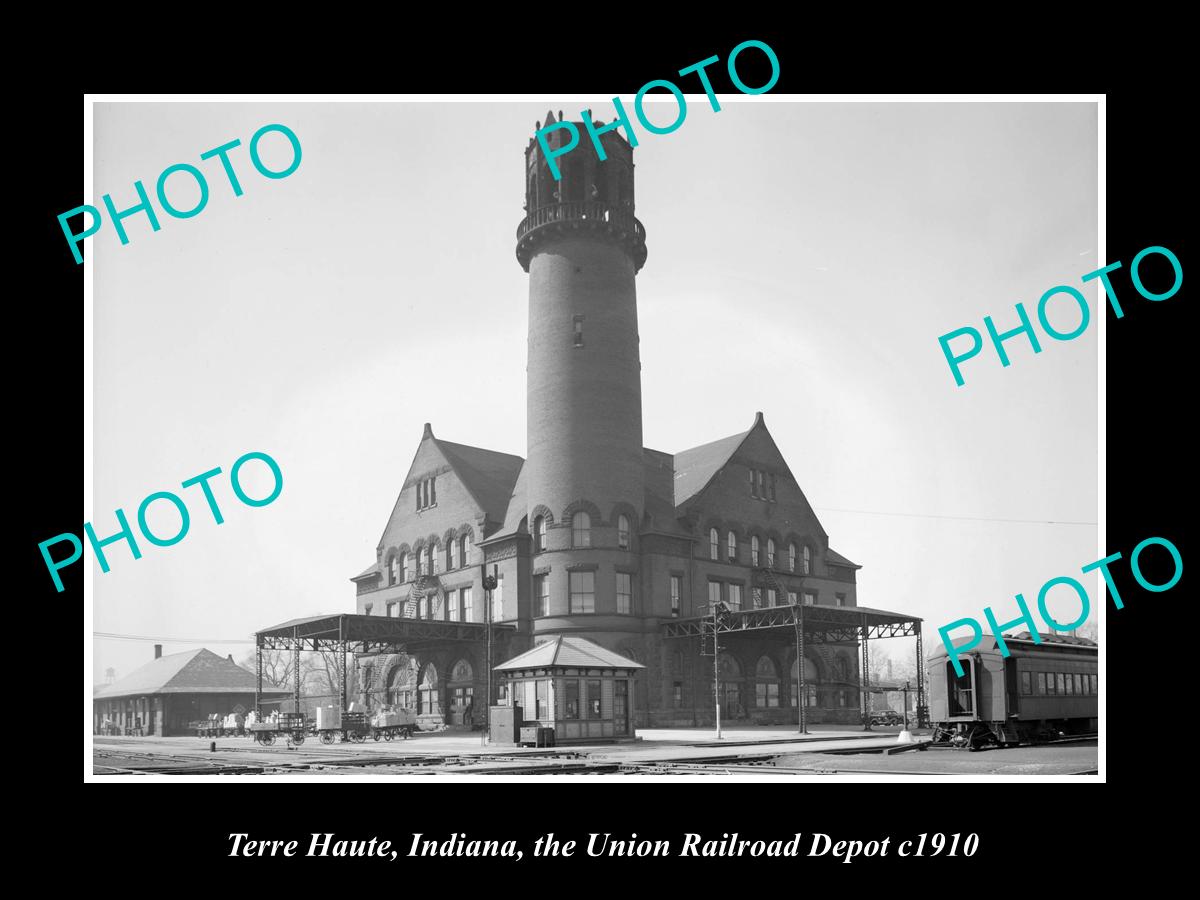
(365, 634)
(820, 624)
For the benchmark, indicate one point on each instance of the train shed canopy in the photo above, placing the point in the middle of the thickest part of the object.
(820, 624)
(367, 633)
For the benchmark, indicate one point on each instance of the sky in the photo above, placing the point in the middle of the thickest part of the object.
(804, 258)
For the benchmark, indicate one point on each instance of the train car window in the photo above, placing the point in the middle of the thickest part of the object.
(1040, 683)
(1026, 682)
(1091, 684)
(1060, 682)
(1050, 683)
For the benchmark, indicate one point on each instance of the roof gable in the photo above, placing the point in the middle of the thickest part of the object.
(696, 468)
(487, 476)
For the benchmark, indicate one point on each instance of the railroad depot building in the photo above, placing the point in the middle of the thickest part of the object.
(167, 694)
(593, 535)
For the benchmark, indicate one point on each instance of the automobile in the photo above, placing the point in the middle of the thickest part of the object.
(886, 717)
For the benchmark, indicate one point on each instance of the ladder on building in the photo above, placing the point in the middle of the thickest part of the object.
(424, 586)
(772, 582)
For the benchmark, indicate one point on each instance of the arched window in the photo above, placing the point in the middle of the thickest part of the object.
(623, 532)
(450, 566)
(771, 552)
(403, 566)
(434, 568)
(807, 569)
(810, 682)
(791, 557)
(464, 547)
(731, 540)
(428, 692)
(766, 686)
(422, 607)
(754, 550)
(539, 534)
(401, 686)
(462, 671)
(841, 670)
(714, 544)
(393, 570)
(581, 530)
(419, 554)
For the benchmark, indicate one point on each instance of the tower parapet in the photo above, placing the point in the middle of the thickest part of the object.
(593, 197)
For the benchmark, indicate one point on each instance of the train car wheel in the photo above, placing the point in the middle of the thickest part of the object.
(268, 738)
(375, 735)
(326, 737)
(387, 736)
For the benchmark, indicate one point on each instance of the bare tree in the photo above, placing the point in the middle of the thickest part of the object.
(277, 669)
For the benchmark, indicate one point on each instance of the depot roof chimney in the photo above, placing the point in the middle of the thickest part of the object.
(158, 651)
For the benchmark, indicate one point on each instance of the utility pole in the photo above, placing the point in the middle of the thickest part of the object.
(489, 585)
(717, 672)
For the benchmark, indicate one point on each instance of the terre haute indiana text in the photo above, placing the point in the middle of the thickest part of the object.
(819, 845)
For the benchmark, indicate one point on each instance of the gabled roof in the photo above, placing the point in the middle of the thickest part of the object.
(372, 569)
(191, 672)
(487, 475)
(566, 651)
(832, 556)
(658, 477)
(695, 468)
(516, 510)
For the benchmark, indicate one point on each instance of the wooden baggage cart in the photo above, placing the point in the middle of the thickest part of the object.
(353, 728)
(287, 724)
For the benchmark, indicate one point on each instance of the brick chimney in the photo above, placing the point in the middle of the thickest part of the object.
(158, 651)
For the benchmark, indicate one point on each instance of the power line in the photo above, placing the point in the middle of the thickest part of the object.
(163, 640)
(873, 512)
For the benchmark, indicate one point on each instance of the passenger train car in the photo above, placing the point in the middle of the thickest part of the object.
(1040, 691)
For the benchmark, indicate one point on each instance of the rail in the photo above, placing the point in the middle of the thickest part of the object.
(591, 212)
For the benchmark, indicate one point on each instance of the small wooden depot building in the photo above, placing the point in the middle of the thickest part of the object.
(578, 688)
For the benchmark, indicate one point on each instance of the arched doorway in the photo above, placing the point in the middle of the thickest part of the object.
(428, 701)
(402, 685)
(766, 683)
(462, 694)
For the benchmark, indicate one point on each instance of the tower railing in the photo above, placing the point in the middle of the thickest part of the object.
(590, 211)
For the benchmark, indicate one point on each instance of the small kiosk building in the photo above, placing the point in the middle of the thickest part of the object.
(578, 688)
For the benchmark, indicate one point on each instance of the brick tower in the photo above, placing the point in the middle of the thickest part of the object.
(582, 248)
